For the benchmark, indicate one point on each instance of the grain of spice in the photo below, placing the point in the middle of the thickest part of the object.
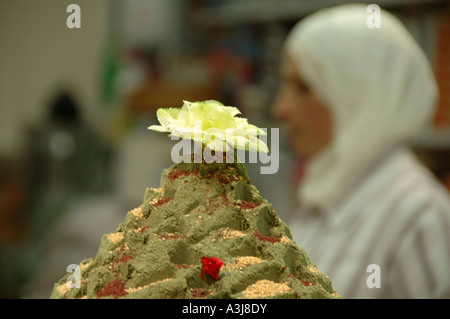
(115, 237)
(231, 233)
(137, 212)
(162, 201)
(62, 289)
(85, 265)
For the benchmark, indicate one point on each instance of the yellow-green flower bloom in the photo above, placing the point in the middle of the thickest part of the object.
(212, 124)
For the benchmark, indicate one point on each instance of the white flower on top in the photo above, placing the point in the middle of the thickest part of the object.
(212, 124)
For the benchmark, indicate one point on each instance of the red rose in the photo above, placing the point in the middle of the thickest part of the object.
(211, 266)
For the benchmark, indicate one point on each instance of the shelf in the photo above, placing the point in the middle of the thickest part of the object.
(151, 97)
(433, 139)
(263, 11)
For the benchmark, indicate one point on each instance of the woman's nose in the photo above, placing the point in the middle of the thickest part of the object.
(280, 108)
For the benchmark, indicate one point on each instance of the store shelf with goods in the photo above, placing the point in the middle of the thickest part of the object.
(260, 11)
(432, 138)
(427, 20)
(151, 97)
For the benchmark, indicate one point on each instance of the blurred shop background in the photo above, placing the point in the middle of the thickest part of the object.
(75, 152)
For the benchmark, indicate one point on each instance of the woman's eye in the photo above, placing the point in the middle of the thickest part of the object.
(302, 88)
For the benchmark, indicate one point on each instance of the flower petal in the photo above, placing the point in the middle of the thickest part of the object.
(232, 110)
(218, 145)
(158, 128)
(240, 122)
(251, 143)
(217, 117)
(164, 115)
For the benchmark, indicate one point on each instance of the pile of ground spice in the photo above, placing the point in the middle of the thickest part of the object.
(115, 237)
(245, 261)
(264, 288)
(115, 288)
(231, 233)
(199, 211)
(267, 238)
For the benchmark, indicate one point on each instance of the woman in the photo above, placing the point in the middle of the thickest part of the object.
(372, 217)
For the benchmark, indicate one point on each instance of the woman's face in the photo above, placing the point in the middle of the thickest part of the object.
(309, 121)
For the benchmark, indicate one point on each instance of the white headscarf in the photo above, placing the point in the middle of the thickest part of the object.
(378, 85)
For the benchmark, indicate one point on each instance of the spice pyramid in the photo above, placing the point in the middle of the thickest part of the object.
(201, 212)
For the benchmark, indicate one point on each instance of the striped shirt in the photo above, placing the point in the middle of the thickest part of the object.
(388, 237)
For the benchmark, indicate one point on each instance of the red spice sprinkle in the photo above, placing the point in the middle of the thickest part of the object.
(115, 288)
(178, 173)
(221, 178)
(247, 205)
(200, 292)
(162, 201)
(211, 266)
(195, 173)
(225, 179)
(124, 259)
(171, 236)
(304, 282)
(307, 282)
(182, 266)
(266, 238)
(215, 203)
(123, 247)
(141, 231)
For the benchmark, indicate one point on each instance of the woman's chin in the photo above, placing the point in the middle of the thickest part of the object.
(305, 151)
